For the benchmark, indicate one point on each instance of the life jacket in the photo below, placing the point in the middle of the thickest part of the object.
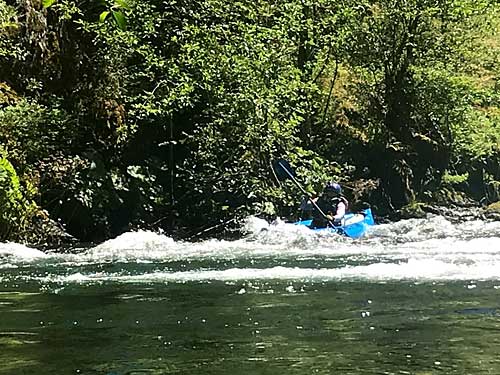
(339, 199)
(329, 207)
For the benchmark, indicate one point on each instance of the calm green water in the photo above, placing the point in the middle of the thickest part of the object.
(413, 298)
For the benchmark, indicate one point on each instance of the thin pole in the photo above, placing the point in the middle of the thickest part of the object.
(305, 193)
(172, 170)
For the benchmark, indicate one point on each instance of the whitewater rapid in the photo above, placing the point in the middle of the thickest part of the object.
(431, 249)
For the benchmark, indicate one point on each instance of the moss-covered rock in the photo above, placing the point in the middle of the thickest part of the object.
(493, 207)
(413, 210)
(449, 196)
(493, 191)
(492, 211)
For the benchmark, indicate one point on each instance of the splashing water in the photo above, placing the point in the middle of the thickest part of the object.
(416, 249)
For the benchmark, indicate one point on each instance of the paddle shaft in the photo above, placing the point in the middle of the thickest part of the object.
(305, 193)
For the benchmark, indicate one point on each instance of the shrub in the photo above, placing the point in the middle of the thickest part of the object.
(11, 199)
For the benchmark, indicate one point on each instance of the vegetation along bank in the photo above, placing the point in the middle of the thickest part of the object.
(168, 114)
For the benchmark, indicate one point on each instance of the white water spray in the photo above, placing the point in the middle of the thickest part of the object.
(417, 249)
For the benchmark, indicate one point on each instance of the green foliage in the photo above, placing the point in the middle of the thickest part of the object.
(40, 131)
(415, 69)
(479, 137)
(7, 18)
(9, 28)
(474, 127)
(115, 10)
(10, 184)
(455, 179)
(12, 209)
(48, 3)
(128, 113)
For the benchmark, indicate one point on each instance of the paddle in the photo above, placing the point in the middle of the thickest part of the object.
(284, 171)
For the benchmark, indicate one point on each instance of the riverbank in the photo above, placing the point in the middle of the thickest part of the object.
(55, 236)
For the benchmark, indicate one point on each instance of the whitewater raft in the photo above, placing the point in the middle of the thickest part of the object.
(354, 225)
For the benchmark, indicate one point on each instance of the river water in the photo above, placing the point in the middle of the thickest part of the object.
(413, 297)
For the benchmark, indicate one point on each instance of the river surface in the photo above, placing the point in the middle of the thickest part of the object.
(413, 297)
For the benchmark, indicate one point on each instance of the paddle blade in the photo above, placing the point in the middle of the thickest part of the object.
(283, 169)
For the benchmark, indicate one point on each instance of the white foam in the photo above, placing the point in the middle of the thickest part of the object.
(131, 245)
(412, 249)
(20, 252)
(413, 270)
(140, 240)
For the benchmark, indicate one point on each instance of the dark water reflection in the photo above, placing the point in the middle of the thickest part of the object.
(267, 327)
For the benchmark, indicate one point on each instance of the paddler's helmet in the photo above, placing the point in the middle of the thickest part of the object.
(332, 187)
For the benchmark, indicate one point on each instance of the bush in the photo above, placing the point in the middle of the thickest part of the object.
(12, 207)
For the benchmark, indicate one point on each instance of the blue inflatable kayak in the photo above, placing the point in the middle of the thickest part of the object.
(354, 225)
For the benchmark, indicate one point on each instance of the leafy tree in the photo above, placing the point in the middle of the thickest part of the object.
(405, 55)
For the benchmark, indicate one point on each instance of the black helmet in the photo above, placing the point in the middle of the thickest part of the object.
(333, 187)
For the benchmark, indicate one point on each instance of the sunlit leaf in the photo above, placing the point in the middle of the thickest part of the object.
(103, 15)
(123, 4)
(48, 3)
(120, 20)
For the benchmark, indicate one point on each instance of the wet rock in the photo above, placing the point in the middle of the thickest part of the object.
(455, 213)
(48, 232)
(492, 211)
(413, 210)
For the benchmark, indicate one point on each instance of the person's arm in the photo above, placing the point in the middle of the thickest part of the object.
(340, 211)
